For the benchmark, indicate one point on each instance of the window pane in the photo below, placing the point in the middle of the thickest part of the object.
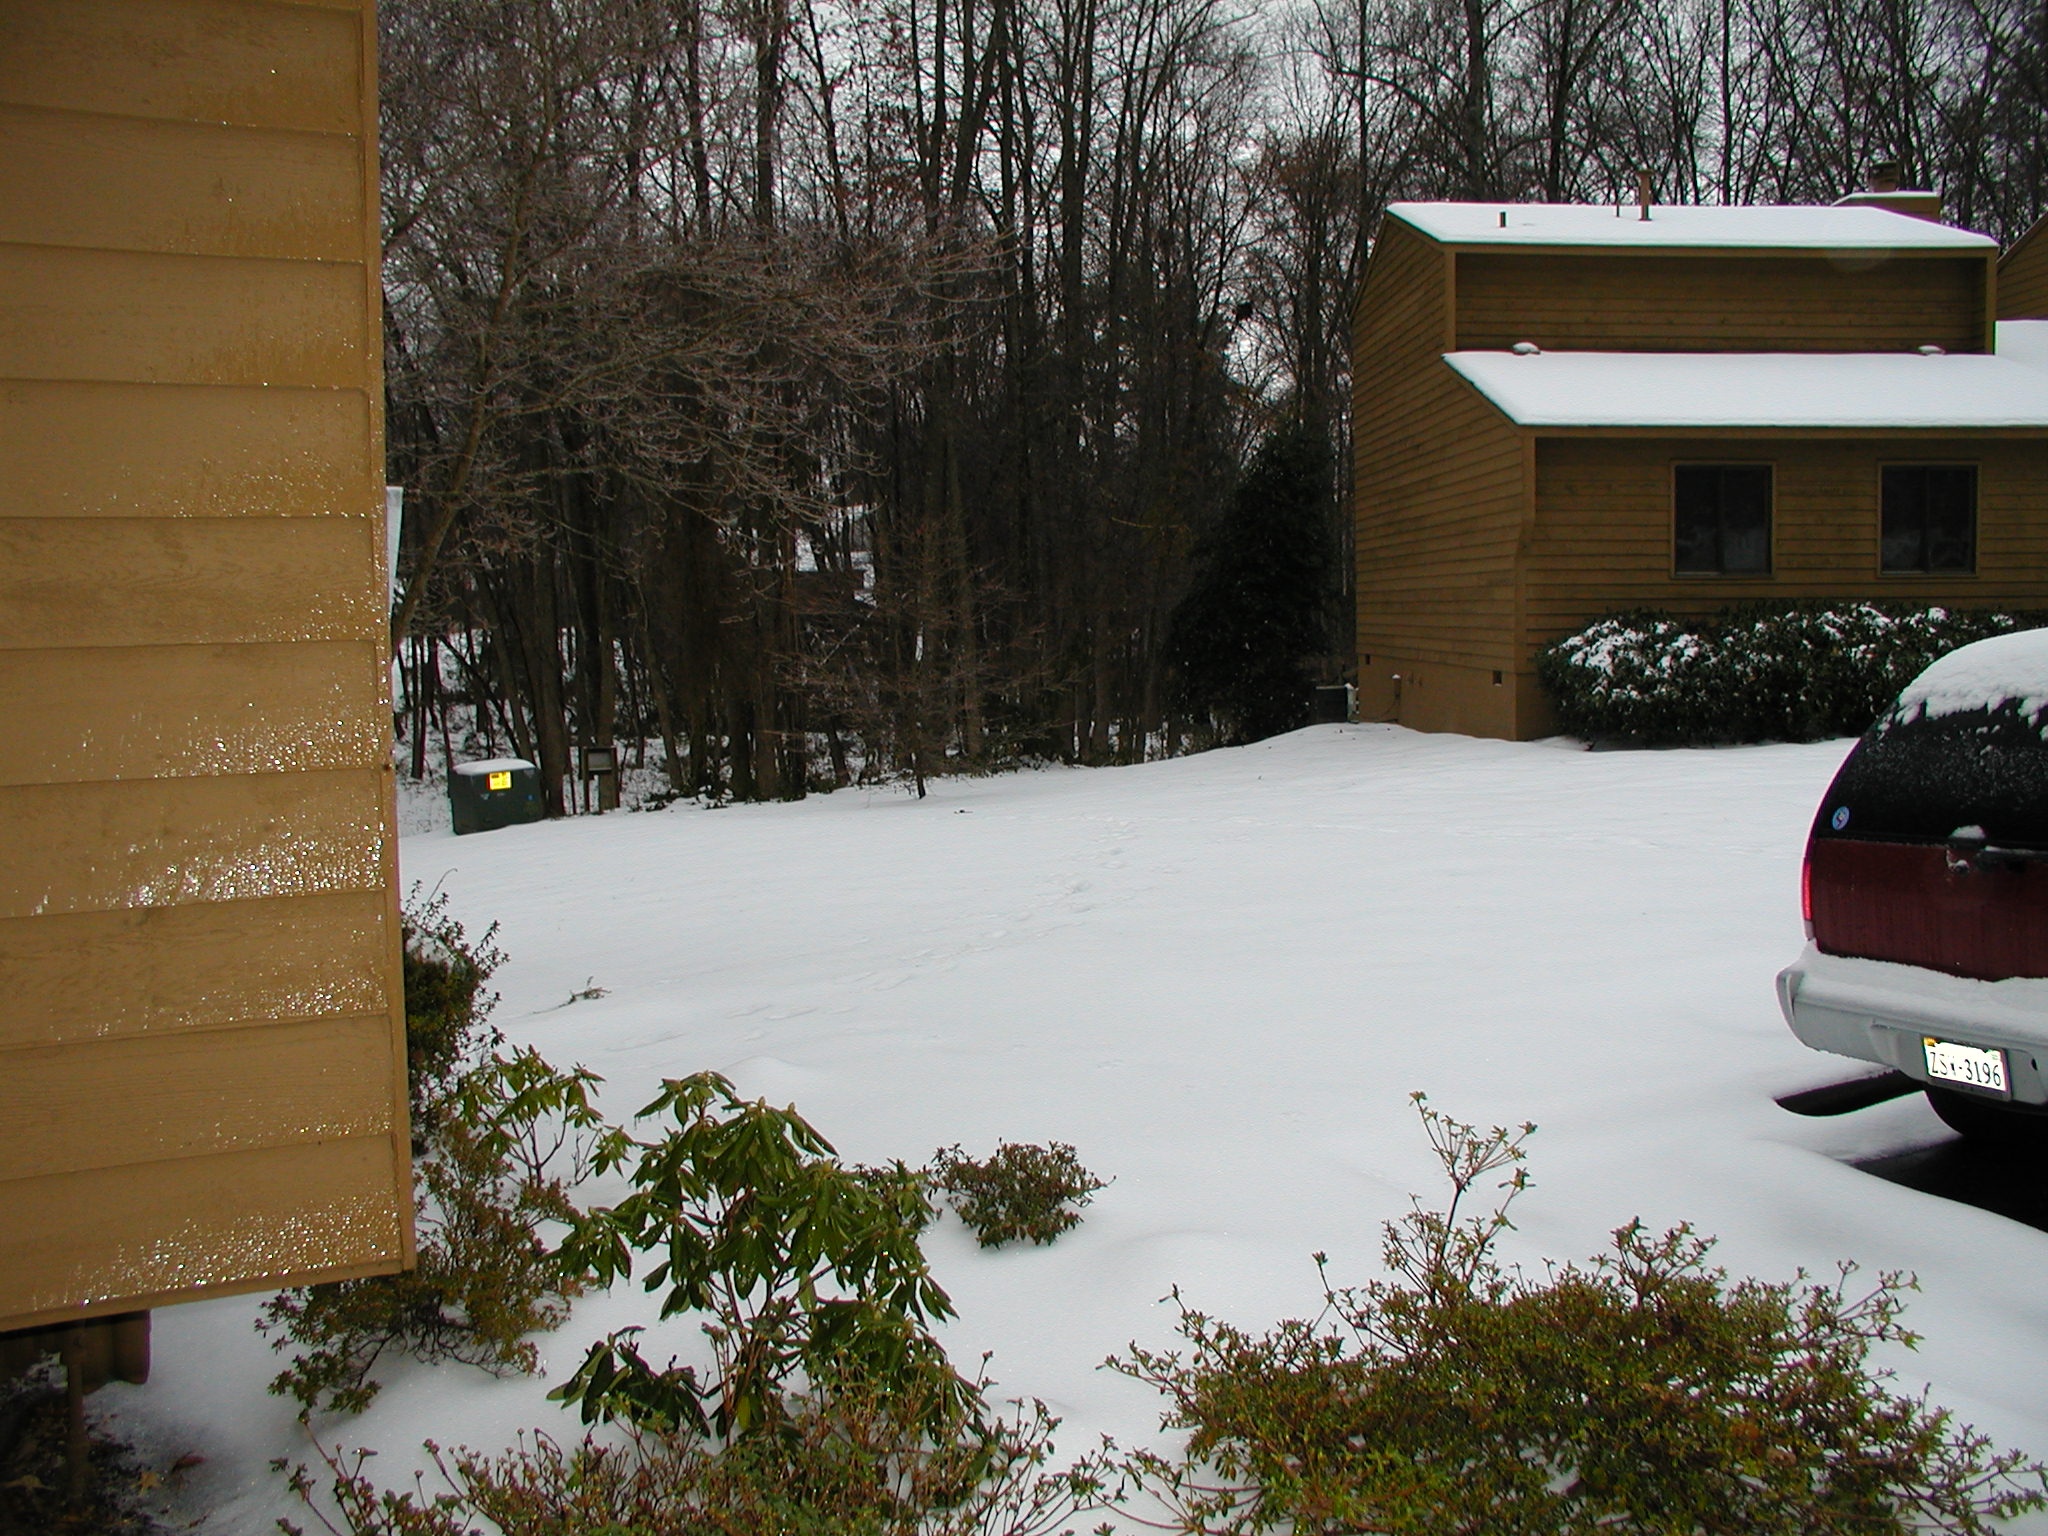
(1952, 517)
(1905, 518)
(1721, 519)
(1929, 517)
(1746, 518)
(1696, 528)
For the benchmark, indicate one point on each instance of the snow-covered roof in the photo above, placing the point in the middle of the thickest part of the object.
(1901, 390)
(1754, 228)
(2004, 669)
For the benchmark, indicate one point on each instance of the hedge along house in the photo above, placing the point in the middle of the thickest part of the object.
(1561, 412)
(202, 1072)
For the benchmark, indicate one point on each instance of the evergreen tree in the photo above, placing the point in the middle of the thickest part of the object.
(1245, 638)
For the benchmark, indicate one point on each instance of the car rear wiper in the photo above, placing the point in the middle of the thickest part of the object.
(1978, 853)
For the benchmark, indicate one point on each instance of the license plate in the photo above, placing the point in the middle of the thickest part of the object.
(1951, 1063)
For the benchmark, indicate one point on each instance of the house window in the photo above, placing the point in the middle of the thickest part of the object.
(1930, 517)
(1721, 523)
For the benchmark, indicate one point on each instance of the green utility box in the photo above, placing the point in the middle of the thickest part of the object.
(498, 793)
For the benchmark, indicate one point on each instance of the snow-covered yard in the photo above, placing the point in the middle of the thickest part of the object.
(1219, 978)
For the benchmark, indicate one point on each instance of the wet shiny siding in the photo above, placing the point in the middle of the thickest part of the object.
(201, 1038)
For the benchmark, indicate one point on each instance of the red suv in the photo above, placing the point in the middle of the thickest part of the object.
(1925, 891)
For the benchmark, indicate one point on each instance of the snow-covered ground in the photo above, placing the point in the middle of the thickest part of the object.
(1219, 978)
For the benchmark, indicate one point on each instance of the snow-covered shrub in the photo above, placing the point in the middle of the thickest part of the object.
(1765, 672)
(1642, 1391)
(1021, 1190)
(498, 1142)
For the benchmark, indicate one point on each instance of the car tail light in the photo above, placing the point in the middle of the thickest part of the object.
(1806, 891)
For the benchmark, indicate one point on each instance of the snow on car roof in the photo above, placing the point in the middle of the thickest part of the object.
(1983, 675)
(2008, 388)
(1752, 228)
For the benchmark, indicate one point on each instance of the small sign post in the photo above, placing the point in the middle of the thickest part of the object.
(600, 772)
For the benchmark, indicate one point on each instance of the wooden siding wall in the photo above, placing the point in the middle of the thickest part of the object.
(1720, 303)
(2023, 276)
(201, 1048)
(1439, 479)
(1602, 538)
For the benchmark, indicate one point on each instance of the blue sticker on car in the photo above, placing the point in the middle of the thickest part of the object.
(1840, 819)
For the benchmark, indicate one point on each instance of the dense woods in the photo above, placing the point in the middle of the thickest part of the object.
(817, 388)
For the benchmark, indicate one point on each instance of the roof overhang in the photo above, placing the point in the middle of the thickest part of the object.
(2006, 391)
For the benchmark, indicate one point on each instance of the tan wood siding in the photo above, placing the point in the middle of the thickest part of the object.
(201, 1064)
(66, 1108)
(1438, 477)
(2023, 276)
(1602, 538)
(195, 189)
(141, 1234)
(1720, 303)
(243, 62)
(146, 970)
(135, 450)
(115, 712)
(158, 842)
(186, 581)
(155, 319)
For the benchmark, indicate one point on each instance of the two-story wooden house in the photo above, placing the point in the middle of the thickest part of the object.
(1565, 411)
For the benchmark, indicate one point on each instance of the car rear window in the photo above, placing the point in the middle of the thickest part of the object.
(1927, 777)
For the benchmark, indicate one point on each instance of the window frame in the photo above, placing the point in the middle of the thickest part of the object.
(1925, 572)
(1769, 569)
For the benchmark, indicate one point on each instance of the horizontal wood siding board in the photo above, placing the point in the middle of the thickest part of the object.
(151, 970)
(110, 712)
(146, 318)
(152, 1233)
(1724, 303)
(160, 842)
(180, 581)
(163, 450)
(70, 1107)
(204, 61)
(114, 1306)
(196, 189)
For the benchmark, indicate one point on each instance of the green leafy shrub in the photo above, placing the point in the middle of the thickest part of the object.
(446, 1003)
(498, 1142)
(1754, 673)
(1643, 1391)
(1022, 1191)
(870, 1464)
(809, 1272)
(830, 1410)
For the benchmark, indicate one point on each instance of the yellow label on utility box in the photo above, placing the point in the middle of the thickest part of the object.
(500, 781)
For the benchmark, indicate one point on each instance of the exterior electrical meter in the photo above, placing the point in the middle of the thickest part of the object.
(500, 792)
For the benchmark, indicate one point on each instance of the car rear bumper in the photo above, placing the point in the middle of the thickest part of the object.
(1876, 1011)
